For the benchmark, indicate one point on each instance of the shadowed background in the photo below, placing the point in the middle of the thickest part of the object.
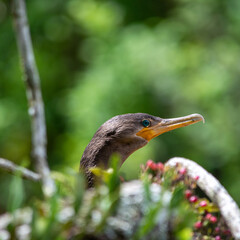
(101, 58)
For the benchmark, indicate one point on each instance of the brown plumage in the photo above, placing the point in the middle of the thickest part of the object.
(124, 134)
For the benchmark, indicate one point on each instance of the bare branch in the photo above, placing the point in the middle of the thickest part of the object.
(13, 168)
(34, 96)
(215, 191)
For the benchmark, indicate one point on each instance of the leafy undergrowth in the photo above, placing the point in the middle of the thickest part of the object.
(176, 212)
(209, 224)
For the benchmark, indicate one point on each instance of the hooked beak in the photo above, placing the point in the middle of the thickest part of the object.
(166, 125)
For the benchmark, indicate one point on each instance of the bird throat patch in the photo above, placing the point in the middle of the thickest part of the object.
(147, 133)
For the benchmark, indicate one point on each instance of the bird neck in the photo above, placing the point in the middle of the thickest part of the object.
(99, 151)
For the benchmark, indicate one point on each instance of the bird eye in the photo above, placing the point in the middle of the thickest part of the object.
(146, 123)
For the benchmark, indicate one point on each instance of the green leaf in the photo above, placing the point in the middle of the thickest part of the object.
(79, 190)
(177, 196)
(149, 220)
(185, 234)
(101, 173)
(16, 193)
(114, 179)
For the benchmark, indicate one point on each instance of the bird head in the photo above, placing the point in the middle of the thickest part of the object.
(143, 126)
(124, 134)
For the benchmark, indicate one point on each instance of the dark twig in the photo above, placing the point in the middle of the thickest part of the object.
(34, 96)
(13, 168)
(215, 191)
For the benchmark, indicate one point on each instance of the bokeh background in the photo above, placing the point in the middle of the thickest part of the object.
(101, 58)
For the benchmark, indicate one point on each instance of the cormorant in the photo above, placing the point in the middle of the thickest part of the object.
(124, 134)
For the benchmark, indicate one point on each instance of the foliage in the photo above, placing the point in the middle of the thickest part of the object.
(91, 215)
(100, 58)
(208, 225)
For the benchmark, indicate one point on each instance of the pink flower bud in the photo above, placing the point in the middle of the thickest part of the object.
(208, 216)
(213, 219)
(198, 225)
(160, 166)
(203, 203)
(151, 164)
(196, 178)
(183, 171)
(193, 199)
(188, 193)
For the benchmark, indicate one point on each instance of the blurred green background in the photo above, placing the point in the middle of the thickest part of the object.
(101, 58)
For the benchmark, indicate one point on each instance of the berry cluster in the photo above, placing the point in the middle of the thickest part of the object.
(155, 166)
(210, 224)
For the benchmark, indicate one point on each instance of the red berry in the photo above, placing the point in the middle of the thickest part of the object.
(188, 193)
(160, 166)
(208, 216)
(203, 203)
(198, 225)
(217, 238)
(182, 171)
(213, 219)
(193, 199)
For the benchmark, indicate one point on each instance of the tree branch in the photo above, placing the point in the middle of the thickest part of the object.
(215, 191)
(34, 96)
(13, 168)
